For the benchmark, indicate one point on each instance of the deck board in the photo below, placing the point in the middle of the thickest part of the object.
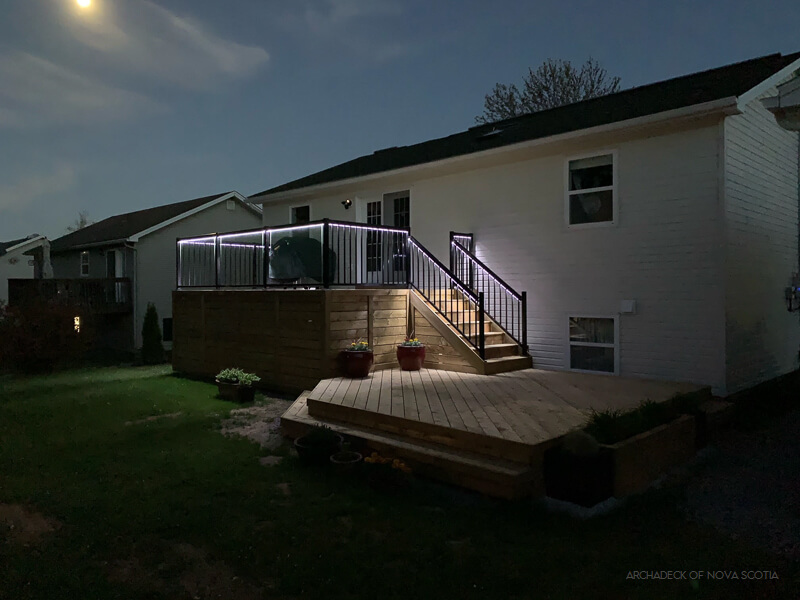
(529, 406)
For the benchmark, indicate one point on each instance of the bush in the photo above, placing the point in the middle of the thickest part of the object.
(152, 348)
(41, 336)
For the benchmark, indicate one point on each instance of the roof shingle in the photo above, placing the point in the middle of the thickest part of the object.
(706, 86)
(121, 227)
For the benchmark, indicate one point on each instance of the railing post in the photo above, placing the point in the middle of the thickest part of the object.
(452, 253)
(524, 322)
(407, 260)
(326, 272)
(264, 256)
(178, 265)
(481, 334)
(216, 261)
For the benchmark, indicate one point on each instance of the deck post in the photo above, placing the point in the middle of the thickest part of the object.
(452, 253)
(326, 240)
(481, 333)
(524, 322)
(264, 256)
(216, 260)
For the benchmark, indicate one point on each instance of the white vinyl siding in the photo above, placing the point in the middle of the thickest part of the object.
(761, 210)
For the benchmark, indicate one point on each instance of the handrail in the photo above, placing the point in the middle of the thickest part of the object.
(472, 258)
(435, 282)
(504, 305)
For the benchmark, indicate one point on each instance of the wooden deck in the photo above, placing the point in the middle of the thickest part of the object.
(530, 406)
(485, 432)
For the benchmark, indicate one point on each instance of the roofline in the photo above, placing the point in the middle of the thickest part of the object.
(25, 242)
(117, 242)
(728, 106)
(771, 81)
(234, 194)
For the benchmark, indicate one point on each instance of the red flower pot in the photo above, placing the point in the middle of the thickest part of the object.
(357, 363)
(410, 357)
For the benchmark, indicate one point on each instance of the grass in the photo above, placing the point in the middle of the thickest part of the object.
(170, 508)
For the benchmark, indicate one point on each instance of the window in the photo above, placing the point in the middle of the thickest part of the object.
(592, 344)
(84, 264)
(230, 204)
(590, 190)
(300, 214)
(166, 329)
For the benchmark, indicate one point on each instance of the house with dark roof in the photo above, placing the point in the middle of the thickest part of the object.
(25, 258)
(113, 268)
(655, 230)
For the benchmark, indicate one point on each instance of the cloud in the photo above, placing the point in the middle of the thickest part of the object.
(152, 41)
(324, 15)
(37, 92)
(17, 196)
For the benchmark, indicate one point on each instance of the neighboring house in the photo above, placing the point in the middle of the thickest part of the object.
(654, 230)
(120, 264)
(26, 258)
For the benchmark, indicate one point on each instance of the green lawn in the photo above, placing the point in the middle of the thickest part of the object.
(170, 508)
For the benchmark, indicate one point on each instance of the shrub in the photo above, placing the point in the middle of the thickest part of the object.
(152, 348)
(41, 336)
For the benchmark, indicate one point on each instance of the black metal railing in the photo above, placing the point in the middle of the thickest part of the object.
(99, 295)
(446, 293)
(504, 305)
(326, 253)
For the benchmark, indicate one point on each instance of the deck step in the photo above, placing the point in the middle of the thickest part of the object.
(490, 476)
(507, 363)
(500, 350)
(477, 443)
(490, 337)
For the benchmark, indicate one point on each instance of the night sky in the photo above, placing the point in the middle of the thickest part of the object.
(128, 104)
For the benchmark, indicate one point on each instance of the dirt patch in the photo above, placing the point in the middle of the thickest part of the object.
(270, 461)
(260, 423)
(174, 415)
(24, 526)
(189, 568)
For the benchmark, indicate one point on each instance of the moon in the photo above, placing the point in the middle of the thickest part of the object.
(84, 3)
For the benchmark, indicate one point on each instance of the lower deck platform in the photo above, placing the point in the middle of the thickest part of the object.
(483, 432)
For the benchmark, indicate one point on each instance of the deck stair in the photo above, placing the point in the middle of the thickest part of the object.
(448, 459)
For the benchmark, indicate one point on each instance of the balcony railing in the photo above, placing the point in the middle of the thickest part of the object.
(324, 253)
(98, 295)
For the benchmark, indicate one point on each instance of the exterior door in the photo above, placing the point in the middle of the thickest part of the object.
(374, 242)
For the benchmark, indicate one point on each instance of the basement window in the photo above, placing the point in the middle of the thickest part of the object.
(591, 190)
(593, 344)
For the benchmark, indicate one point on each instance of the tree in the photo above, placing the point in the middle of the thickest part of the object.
(553, 83)
(152, 348)
(81, 222)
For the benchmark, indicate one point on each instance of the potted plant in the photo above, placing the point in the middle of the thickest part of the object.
(317, 445)
(236, 385)
(357, 359)
(411, 354)
(345, 460)
(386, 474)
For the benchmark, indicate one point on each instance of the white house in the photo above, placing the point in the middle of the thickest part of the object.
(655, 230)
(26, 258)
(115, 267)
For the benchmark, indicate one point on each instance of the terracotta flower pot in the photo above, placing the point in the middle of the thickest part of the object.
(357, 363)
(410, 357)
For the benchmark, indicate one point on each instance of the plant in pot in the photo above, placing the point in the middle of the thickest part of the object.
(317, 445)
(357, 359)
(411, 354)
(579, 470)
(345, 459)
(384, 473)
(236, 385)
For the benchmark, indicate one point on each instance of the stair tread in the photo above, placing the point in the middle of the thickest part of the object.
(494, 465)
(507, 358)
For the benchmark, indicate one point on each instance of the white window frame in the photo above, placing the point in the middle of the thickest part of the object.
(614, 190)
(615, 345)
(84, 253)
(291, 212)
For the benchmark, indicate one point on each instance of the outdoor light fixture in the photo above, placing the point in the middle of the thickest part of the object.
(347, 203)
